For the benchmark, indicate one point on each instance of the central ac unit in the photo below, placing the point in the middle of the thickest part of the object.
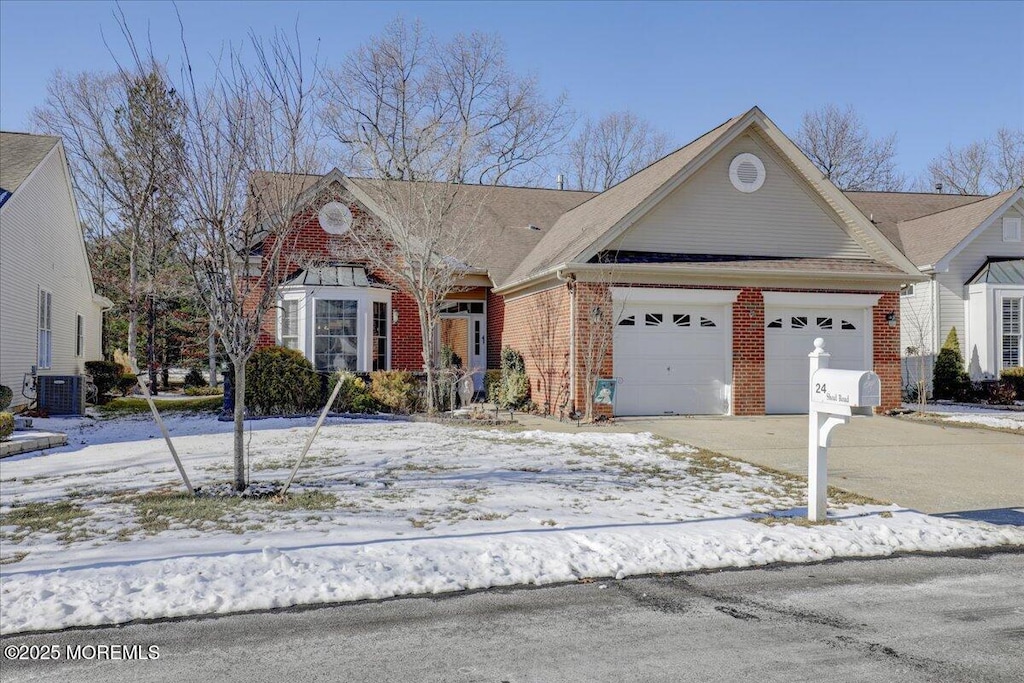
(61, 394)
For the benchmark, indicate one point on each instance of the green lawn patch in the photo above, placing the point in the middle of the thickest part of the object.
(133, 405)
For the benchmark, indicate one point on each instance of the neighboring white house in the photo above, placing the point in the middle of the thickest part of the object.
(972, 248)
(50, 315)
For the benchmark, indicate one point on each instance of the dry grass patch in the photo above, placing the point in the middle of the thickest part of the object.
(790, 521)
(62, 518)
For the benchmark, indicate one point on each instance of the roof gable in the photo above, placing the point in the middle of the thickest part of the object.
(599, 222)
(707, 215)
(934, 239)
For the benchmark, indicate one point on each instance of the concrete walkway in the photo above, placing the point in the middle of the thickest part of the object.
(927, 467)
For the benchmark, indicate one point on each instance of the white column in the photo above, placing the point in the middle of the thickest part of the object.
(817, 463)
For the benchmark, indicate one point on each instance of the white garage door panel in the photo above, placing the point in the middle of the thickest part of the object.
(789, 337)
(672, 359)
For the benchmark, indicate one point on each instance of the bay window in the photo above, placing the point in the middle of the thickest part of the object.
(336, 342)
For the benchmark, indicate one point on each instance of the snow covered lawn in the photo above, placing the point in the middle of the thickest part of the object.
(98, 532)
(975, 415)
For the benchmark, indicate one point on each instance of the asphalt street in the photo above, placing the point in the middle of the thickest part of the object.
(910, 618)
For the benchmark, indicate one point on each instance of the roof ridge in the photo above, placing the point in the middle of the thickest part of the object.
(981, 198)
(929, 194)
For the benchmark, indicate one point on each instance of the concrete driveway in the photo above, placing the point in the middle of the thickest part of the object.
(928, 467)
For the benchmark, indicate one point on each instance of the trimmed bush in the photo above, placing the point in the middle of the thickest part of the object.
(1015, 378)
(126, 384)
(203, 391)
(105, 375)
(395, 390)
(6, 426)
(512, 360)
(514, 389)
(1000, 393)
(281, 381)
(949, 380)
(354, 396)
(492, 385)
(6, 396)
(194, 378)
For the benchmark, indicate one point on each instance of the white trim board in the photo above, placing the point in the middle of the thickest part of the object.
(812, 299)
(673, 295)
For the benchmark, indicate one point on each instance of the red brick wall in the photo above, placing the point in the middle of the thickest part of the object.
(495, 329)
(307, 244)
(594, 326)
(886, 350)
(537, 326)
(748, 353)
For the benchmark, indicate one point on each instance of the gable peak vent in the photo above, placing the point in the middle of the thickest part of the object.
(747, 173)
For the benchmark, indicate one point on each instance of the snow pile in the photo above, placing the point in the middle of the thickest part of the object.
(420, 509)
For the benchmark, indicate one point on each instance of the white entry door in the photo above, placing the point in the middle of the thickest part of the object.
(789, 337)
(672, 359)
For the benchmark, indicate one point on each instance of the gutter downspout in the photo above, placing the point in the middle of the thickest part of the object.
(570, 281)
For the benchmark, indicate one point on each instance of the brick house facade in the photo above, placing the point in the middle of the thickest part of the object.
(713, 321)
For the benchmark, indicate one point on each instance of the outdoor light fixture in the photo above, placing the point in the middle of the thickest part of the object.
(394, 316)
(890, 318)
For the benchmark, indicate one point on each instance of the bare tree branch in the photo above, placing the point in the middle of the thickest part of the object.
(611, 149)
(839, 144)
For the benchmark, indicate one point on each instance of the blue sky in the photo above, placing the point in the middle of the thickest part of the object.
(934, 73)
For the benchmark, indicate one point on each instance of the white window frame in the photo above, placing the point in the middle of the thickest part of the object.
(364, 298)
(79, 335)
(44, 326)
(1011, 228)
(281, 340)
(907, 290)
(1003, 333)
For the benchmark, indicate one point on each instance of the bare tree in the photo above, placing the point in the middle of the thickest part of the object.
(421, 118)
(839, 144)
(422, 239)
(988, 166)
(611, 149)
(406, 106)
(1007, 171)
(122, 136)
(917, 324)
(234, 230)
(961, 170)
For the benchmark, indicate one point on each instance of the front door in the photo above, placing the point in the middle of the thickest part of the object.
(466, 335)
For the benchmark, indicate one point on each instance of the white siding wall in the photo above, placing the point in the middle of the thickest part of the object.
(41, 248)
(707, 215)
(917, 329)
(952, 293)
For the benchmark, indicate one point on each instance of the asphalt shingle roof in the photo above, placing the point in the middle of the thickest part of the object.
(20, 154)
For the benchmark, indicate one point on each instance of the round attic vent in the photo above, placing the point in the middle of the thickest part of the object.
(746, 172)
(335, 218)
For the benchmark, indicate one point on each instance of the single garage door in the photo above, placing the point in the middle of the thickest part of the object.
(672, 359)
(789, 337)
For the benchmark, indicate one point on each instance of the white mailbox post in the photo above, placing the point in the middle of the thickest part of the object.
(835, 397)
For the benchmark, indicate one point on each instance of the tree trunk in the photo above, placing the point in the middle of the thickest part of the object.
(133, 303)
(151, 343)
(239, 424)
(428, 357)
(213, 354)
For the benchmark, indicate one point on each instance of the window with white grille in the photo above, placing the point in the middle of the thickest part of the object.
(45, 330)
(1011, 229)
(290, 323)
(1011, 333)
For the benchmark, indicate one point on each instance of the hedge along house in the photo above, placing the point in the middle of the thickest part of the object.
(698, 283)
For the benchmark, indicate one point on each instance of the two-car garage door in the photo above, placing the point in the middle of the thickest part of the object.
(672, 352)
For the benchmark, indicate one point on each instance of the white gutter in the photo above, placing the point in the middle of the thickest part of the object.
(572, 334)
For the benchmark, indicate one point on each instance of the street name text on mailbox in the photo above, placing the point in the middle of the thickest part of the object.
(853, 388)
